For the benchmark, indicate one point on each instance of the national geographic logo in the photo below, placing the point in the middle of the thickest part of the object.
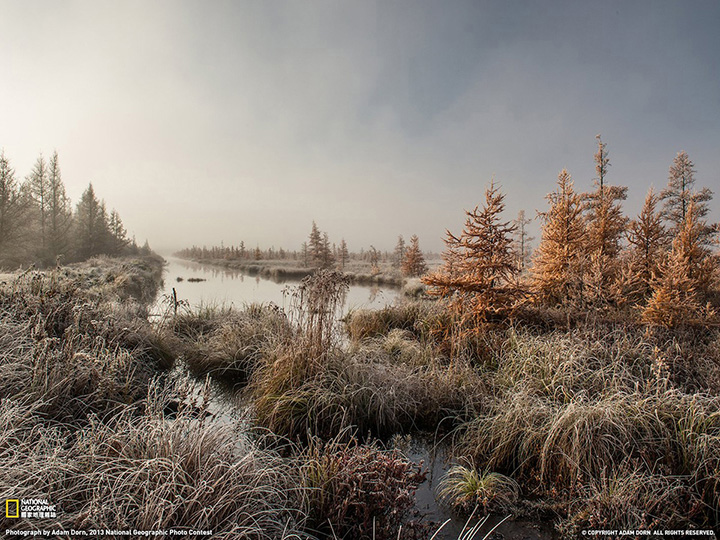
(29, 508)
(12, 508)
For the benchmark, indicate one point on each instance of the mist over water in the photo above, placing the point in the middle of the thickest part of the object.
(233, 287)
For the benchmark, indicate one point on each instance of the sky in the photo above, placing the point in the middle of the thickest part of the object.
(203, 122)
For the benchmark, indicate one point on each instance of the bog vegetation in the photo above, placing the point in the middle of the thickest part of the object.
(578, 385)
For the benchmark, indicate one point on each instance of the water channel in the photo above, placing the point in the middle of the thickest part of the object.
(201, 285)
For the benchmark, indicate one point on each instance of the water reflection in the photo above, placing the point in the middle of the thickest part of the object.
(229, 286)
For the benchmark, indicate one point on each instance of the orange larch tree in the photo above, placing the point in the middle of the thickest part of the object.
(480, 269)
(558, 263)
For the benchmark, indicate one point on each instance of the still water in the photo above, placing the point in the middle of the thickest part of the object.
(231, 287)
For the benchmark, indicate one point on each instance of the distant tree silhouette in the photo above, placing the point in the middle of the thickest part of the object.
(522, 241)
(480, 269)
(118, 235)
(414, 261)
(315, 246)
(399, 253)
(91, 226)
(343, 254)
(326, 255)
(59, 221)
(13, 216)
(38, 187)
(557, 272)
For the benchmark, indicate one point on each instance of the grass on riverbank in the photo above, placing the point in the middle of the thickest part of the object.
(92, 421)
(586, 419)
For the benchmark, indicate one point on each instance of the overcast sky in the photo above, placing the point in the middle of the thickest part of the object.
(203, 122)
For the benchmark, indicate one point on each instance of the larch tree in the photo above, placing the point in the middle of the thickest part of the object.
(679, 292)
(648, 241)
(399, 253)
(39, 188)
(605, 228)
(557, 271)
(13, 214)
(414, 261)
(522, 241)
(59, 222)
(316, 247)
(680, 192)
(326, 254)
(480, 269)
(343, 254)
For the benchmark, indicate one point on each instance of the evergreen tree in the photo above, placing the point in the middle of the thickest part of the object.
(118, 235)
(91, 226)
(557, 271)
(59, 213)
(343, 254)
(414, 262)
(326, 256)
(39, 189)
(13, 216)
(481, 267)
(399, 253)
(315, 246)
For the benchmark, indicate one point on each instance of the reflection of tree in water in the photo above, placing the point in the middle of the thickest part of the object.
(375, 292)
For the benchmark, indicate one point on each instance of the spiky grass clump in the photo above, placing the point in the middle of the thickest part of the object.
(148, 472)
(73, 352)
(569, 407)
(424, 318)
(228, 343)
(366, 389)
(466, 488)
(627, 499)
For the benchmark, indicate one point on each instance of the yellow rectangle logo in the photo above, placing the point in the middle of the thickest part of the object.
(12, 508)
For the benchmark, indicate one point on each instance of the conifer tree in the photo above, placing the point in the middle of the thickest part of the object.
(648, 242)
(414, 262)
(399, 253)
(118, 235)
(480, 268)
(557, 271)
(91, 226)
(606, 226)
(522, 241)
(39, 189)
(326, 256)
(343, 254)
(680, 192)
(684, 278)
(13, 216)
(59, 213)
(315, 246)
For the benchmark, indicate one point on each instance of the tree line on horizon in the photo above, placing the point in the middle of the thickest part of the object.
(38, 224)
(318, 252)
(590, 256)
